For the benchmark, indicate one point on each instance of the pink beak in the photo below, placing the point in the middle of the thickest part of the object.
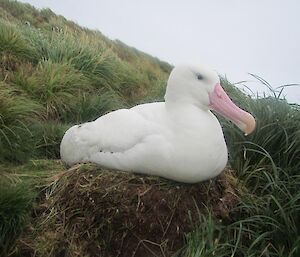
(221, 103)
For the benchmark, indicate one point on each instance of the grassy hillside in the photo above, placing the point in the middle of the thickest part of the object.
(54, 73)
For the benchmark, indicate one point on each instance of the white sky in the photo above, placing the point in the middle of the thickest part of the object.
(233, 36)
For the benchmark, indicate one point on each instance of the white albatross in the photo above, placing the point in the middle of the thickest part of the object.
(179, 139)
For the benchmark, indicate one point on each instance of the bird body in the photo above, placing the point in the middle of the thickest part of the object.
(179, 139)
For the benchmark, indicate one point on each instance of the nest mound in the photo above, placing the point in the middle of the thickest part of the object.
(94, 212)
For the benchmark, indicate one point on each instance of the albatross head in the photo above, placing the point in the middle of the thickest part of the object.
(200, 86)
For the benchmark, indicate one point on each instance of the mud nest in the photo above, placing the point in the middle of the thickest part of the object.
(88, 211)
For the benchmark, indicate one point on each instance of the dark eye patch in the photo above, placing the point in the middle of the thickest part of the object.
(199, 77)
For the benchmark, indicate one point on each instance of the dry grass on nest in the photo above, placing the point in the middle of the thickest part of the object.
(88, 211)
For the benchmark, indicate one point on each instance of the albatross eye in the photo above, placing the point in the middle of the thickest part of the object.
(199, 77)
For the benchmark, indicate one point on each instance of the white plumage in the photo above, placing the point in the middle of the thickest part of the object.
(179, 139)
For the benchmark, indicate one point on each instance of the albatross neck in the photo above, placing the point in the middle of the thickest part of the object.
(186, 111)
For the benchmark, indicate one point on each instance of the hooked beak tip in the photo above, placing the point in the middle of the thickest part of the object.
(221, 103)
(249, 125)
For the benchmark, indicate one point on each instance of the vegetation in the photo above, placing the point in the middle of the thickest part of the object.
(266, 222)
(53, 73)
(15, 204)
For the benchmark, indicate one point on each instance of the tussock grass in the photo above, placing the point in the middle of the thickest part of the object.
(258, 226)
(277, 133)
(16, 201)
(13, 42)
(57, 72)
(266, 222)
(55, 86)
(47, 138)
(89, 106)
(53, 74)
(15, 113)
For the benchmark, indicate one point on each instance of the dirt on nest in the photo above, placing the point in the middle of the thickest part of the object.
(88, 211)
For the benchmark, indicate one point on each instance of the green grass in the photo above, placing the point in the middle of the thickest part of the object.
(54, 74)
(89, 106)
(261, 225)
(266, 222)
(53, 71)
(47, 138)
(13, 42)
(15, 113)
(20, 186)
(16, 200)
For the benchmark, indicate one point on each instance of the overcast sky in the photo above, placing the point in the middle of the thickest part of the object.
(236, 37)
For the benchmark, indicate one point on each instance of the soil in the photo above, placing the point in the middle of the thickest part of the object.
(88, 211)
